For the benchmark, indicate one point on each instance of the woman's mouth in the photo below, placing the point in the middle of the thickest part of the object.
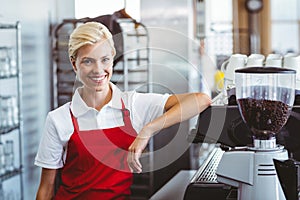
(98, 79)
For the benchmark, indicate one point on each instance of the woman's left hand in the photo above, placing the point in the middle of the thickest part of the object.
(136, 149)
(178, 108)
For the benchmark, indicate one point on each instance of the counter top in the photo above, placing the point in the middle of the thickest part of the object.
(174, 189)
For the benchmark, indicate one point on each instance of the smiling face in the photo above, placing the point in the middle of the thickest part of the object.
(93, 66)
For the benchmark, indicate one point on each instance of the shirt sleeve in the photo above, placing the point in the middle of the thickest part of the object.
(50, 151)
(146, 107)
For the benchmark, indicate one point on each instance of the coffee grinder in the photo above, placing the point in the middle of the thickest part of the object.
(265, 97)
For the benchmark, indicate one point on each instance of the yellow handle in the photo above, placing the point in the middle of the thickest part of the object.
(219, 80)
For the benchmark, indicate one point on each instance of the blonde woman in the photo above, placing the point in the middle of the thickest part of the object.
(96, 140)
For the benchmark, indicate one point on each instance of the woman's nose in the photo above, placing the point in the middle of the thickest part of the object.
(98, 67)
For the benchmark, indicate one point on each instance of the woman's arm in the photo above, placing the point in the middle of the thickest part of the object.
(47, 184)
(178, 108)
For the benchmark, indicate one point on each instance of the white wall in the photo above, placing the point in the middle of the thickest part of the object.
(35, 17)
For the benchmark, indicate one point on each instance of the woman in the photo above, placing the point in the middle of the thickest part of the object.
(97, 139)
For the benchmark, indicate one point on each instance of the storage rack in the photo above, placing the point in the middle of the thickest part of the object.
(62, 74)
(132, 64)
(11, 85)
(133, 73)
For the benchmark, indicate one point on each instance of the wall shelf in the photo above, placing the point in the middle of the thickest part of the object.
(11, 120)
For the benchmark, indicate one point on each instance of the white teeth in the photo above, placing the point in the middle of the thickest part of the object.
(98, 78)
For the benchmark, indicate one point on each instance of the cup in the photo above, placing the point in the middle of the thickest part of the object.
(2, 159)
(4, 62)
(229, 66)
(9, 155)
(12, 61)
(292, 61)
(255, 60)
(274, 60)
(274, 56)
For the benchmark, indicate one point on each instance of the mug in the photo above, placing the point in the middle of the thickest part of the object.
(274, 60)
(255, 60)
(229, 66)
(292, 61)
(274, 56)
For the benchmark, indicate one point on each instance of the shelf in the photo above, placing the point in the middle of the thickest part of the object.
(13, 75)
(65, 93)
(8, 175)
(8, 26)
(8, 77)
(121, 71)
(137, 35)
(5, 130)
(131, 82)
(137, 59)
(65, 71)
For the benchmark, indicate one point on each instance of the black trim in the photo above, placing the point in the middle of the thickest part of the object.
(266, 70)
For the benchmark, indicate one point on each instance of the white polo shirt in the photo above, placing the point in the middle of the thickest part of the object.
(143, 107)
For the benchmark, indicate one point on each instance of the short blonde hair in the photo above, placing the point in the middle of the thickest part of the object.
(88, 34)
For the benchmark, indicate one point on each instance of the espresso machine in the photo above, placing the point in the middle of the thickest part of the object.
(265, 98)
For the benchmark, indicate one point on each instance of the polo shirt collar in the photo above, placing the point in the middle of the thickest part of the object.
(115, 101)
(79, 107)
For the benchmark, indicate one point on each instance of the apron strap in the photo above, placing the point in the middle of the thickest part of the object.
(126, 114)
(74, 120)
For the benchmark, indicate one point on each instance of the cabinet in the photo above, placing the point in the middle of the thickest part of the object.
(11, 183)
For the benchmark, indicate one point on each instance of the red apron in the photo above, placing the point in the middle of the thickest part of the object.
(96, 163)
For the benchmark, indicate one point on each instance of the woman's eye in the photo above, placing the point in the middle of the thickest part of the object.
(106, 60)
(87, 61)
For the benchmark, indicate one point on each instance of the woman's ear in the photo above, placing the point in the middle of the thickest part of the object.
(73, 62)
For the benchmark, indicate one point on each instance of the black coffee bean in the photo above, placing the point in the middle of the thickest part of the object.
(264, 117)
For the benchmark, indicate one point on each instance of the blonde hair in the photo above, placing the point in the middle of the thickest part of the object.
(88, 34)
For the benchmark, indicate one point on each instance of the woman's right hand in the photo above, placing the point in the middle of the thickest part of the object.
(47, 184)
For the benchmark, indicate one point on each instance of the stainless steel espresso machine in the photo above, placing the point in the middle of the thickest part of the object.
(265, 96)
(257, 137)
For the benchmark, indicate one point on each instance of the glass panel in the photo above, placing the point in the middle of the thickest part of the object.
(219, 36)
(221, 10)
(285, 37)
(284, 10)
(94, 8)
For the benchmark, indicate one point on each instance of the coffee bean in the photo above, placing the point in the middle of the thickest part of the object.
(265, 118)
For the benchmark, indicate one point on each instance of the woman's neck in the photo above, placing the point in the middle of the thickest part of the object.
(96, 99)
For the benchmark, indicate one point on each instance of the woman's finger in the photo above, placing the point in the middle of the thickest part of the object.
(133, 161)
